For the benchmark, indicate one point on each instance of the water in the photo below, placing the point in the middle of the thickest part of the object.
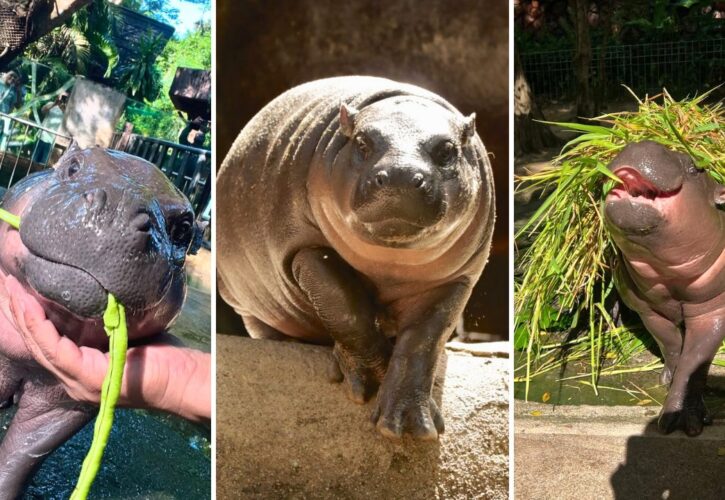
(149, 454)
(629, 389)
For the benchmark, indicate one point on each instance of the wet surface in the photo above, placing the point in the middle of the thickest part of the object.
(573, 386)
(149, 454)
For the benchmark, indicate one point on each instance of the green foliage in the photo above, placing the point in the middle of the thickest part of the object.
(159, 118)
(85, 42)
(140, 77)
(82, 42)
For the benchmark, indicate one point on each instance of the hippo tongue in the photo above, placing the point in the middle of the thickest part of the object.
(636, 185)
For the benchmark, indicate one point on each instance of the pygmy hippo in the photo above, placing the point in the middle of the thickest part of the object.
(353, 210)
(100, 222)
(665, 218)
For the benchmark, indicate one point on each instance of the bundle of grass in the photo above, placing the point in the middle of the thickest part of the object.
(563, 299)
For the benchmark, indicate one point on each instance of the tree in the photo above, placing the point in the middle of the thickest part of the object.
(38, 22)
(582, 58)
(140, 77)
(530, 136)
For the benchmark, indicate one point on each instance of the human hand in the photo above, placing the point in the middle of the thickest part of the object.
(158, 376)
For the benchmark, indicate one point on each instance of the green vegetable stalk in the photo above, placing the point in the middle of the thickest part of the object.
(114, 321)
(11, 219)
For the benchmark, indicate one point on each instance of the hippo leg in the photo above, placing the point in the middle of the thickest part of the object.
(45, 419)
(684, 407)
(10, 380)
(344, 306)
(669, 338)
(404, 401)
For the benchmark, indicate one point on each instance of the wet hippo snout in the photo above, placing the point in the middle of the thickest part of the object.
(400, 179)
(408, 194)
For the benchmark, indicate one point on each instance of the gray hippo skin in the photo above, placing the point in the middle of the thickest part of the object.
(99, 222)
(353, 210)
(665, 219)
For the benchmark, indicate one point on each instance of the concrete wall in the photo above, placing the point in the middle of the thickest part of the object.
(92, 113)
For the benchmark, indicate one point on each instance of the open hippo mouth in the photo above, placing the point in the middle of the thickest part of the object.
(637, 205)
(636, 188)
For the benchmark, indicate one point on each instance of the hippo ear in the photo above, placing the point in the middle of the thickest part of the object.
(347, 119)
(198, 239)
(73, 147)
(469, 128)
(720, 195)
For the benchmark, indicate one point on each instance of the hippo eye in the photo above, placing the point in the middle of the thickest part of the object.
(444, 153)
(181, 232)
(362, 147)
(73, 168)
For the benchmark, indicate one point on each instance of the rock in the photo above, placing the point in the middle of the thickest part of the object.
(283, 430)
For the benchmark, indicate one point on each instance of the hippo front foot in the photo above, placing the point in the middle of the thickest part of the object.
(415, 416)
(691, 419)
(362, 377)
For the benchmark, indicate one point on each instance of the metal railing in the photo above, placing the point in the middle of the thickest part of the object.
(188, 168)
(683, 68)
(23, 150)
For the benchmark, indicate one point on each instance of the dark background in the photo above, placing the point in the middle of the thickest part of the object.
(458, 49)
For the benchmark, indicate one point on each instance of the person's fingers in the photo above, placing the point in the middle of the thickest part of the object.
(79, 369)
(16, 290)
(52, 351)
(5, 299)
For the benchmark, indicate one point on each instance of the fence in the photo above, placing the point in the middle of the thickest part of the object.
(26, 147)
(683, 68)
(188, 168)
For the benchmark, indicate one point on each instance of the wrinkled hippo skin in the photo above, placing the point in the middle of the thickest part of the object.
(100, 221)
(666, 219)
(353, 210)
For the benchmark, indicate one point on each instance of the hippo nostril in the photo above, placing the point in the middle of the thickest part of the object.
(95, 199)
(419, 181)
(381, 178)
(142, 222)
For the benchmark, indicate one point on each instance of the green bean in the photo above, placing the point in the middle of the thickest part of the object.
(114, 322)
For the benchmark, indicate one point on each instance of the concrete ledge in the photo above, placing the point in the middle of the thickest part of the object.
(582, 452)
(283, 431)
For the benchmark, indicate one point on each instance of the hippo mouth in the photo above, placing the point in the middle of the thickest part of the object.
(77, 289)
(636, 188)
(74, 288)
(636, 206)
(394, 230)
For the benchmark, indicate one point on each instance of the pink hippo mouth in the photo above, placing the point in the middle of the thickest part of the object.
(636, 206)
(635, 188)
